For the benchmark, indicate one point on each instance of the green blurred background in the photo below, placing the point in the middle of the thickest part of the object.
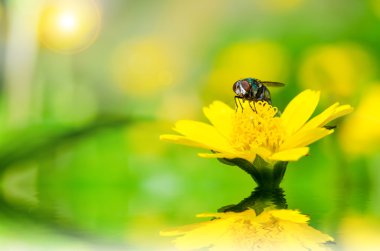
(87, 87)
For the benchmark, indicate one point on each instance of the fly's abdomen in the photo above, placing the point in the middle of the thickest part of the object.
(267, 96)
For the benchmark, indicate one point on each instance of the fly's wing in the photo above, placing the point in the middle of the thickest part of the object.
(271, 83)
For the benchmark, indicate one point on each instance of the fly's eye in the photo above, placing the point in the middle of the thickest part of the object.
(234, 87)
(246, 86)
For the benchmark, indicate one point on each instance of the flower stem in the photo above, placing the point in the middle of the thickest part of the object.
(260, 199)
(267, 176)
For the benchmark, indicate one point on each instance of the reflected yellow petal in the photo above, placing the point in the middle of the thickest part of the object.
(181, 230)
(215, 215)
(220, 115)
(292, 215)
(204, 134)
(305, 138)
(198, 236)
(290, 155)
(299, 110)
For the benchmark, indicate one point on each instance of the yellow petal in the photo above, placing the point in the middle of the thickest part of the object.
(220, 115)
(299, 110)
(305, 138)
(321, 118)
(181, 140)
(290, 155)
(263, 152)
(339, 112)
(328, 115)
(203, 134)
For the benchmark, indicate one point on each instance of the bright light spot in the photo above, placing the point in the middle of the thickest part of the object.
(67, 22)
(69, 26)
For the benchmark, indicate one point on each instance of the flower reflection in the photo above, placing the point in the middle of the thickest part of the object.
(259, 222)
(273, 229)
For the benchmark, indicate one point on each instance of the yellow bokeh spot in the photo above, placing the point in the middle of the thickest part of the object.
(338, 70)
(176, 106)
(262, 60)
(280, 5)
(360, 133)
(144, 67)
(376, 7)
(1, 13)
(359, 232)
(69, 26)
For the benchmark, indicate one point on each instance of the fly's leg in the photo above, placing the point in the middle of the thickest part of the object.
(251, 105)
(254, 107)
(236, 103)
(241, 105)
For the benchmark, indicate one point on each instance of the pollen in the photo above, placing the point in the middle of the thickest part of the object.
(257, 128)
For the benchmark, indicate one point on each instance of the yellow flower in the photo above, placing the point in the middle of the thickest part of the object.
(246, 133)
(270, 230)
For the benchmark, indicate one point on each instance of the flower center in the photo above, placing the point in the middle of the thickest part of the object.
(260, 128)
